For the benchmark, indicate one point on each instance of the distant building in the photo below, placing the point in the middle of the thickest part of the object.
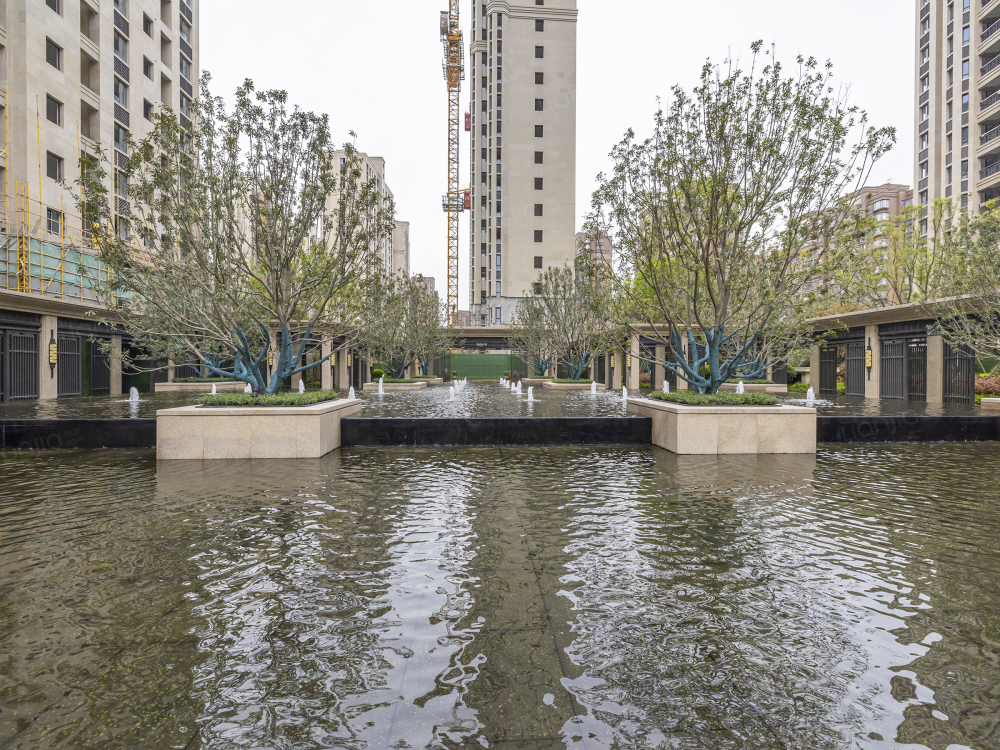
(464, 318)
(598, 249)
(381, 255)
(401, 248)
(428, 282)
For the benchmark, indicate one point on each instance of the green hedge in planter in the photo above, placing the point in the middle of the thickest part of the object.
(202, 380)
(750, 382)
(722, 398)
(570, 380)
(277, 399)
(401, 380)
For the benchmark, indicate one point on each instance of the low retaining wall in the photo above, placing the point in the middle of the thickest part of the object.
(56, 434)
(907, 429)
(500, 431)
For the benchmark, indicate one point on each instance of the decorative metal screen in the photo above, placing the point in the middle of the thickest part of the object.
(828, 370)
(854, 372)
(893, 369)
(70, 369)
(187, 371)
(100, 371)
(959, 375)
(20, 369)
(916, 370)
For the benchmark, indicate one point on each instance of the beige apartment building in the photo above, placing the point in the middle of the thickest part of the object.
(957, 120)
(73, 74)
(401, 248)
(597, 249)
(522, 122)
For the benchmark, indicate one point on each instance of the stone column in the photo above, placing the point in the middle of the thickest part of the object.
(616, 380)
(48, 377)
(814, 368)
(116, 365)
(935, 370)
(342, 383)
(170, 371)
(366, 371)
(633, 371)
(872, 379)
(326, 369)
(658, 374)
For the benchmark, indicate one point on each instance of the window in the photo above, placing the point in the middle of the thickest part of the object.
(53, 221)
(147, 110)
(965, 4)
(925, 82)
(53, 166)
(925, 54)
(965, 35)
(482, 273)
(121, 47)
(53, 54)
(924, 141)
(147, 68)
(539, 2)
(538, 183)
(498, 265)
(884, 203)
(965, 69)
(53, 110)
(965, 170)
(949, 110)
(538, 261)
(538, 209)
(121, 92)
(122, 7)
(538, 235)
(147, 25)
(924, 112)
(498, 309)
(965, 102)
(539, 24)
(923, 198)
(925, 25)
(538, 131)
(120, 134)
(539, 105)
(536, 287)
(965, 136)
(498, 283)
(185, 31)
(948, 141)
(539, 52)
(539, 78)
(951, 77)
(56, 5)
(186, 70)
(948, 173)
(538, 157)
(923, 169)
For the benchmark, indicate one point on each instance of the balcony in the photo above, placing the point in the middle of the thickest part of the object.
(989, 176)
(988, 70)
(989, 141)
(989, 101)
(989, 37)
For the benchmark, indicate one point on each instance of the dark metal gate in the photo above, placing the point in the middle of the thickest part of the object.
(187, 371)
(100, 370)
(854, 371)
(959, 375)
(20, 366)
(892, 370)
(70, 367)
(916, 370)
(828, 370)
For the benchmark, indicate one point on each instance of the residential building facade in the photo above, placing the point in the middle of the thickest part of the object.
(382, 254)
(73, 74)
(598, 250)
(522, 122)
(957, 119)
(401, 248)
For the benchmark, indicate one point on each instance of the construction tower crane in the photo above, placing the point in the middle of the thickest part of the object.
(454, 201)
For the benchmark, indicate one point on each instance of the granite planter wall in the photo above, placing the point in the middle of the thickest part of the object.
(386, 387)
(549, 386)
(535, 381)
(758, 387)
(430, 381)
(216, 432)
(714, 430)
(990, 403)
(227, 386)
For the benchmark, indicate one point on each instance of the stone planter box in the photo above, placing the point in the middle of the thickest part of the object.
(227, 386)
(373, 387)
(759, 387)
(215, 432)
(535, 381)
(431, 381)
(990, 403)
(715, 430)
(550, 386)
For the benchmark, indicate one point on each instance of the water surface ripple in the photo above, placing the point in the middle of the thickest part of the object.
(523, 597)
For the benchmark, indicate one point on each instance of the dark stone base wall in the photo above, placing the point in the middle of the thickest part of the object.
(55, 434)
(511, 431)
(907, 429)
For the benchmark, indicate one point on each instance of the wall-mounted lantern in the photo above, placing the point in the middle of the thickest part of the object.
(869, 358)
(53, 354)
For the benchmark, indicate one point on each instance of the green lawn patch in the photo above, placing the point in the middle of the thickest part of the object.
(202, 380)
(278, 399)
(570, 380)
(722, 398)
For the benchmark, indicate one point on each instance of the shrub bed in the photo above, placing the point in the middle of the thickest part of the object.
(278, 399)
(722, 398)
(798, 388)
(765, 381)
(570, 380)
(399, 380)
(988, 385)
(202, 380)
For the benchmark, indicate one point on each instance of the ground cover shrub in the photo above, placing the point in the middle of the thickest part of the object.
(798, 388)
(377, 373)
(841, 389)
(570, 380)
(988, 385)
(277, 399)
(202, 380)
(751, 382)
(645, 379)
(722, 398)
(401, 380)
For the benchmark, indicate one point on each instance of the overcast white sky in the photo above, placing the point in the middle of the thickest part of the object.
(375, 68)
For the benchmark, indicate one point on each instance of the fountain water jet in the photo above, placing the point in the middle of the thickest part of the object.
(740, 388)
(531, 394)
(213, 389)
(381, 390)
(624, 393)
(593, 388)
(810, 396)
(302, 386)
(350, 394)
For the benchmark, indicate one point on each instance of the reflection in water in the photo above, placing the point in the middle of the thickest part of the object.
(531, 597)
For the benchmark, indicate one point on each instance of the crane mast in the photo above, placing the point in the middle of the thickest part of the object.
(453, 202)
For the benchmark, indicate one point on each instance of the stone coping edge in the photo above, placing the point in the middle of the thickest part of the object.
(652, 403)
(247, 411)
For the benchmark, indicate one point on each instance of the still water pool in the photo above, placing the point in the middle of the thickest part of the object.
(523, 598)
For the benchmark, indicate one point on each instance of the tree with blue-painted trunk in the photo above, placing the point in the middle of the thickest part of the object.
(733, 209)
